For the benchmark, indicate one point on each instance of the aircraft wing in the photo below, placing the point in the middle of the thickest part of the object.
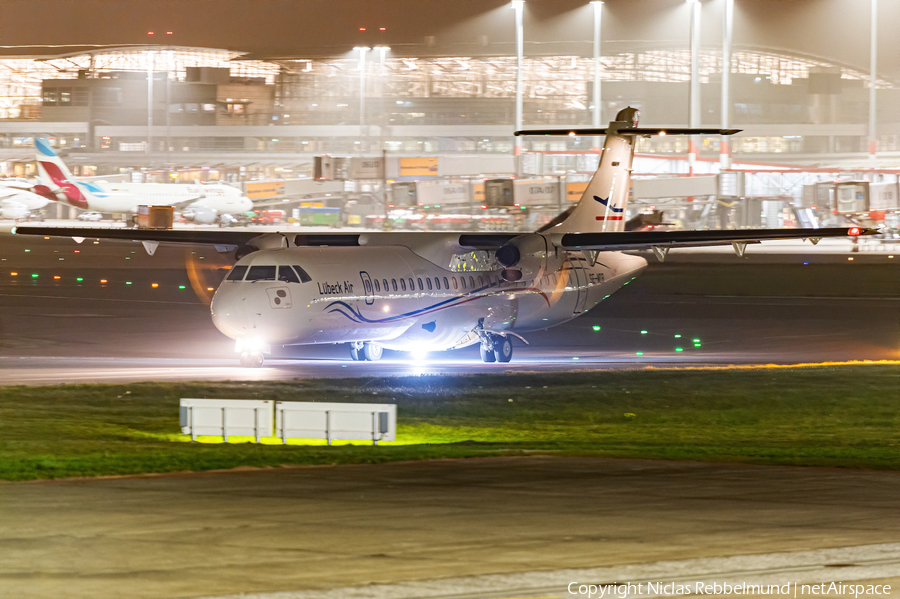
(643, 240)
(611, 241)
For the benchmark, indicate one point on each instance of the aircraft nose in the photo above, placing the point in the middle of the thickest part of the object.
(227, 309)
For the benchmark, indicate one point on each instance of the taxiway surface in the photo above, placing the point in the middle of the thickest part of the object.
(106, 311)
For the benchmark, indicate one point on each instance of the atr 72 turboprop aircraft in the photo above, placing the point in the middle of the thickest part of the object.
(202, 204)
(440, 291)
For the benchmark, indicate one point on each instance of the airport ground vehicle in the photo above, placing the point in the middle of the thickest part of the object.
(90, 216)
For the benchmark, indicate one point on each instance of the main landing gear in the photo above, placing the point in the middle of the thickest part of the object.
(252, 359)
(365, 351)
(496, 348)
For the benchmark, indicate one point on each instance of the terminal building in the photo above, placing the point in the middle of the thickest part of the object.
(449, 81)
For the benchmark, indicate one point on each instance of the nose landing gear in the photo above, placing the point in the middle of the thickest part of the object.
(252, 359)
(365, 351)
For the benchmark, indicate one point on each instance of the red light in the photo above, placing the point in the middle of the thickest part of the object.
(815, 207)
(149, 33)
(853, 231)
(390, 205)
(516, 205)
(362, 28)
(483, 206)
(168, 33)
(381, 28)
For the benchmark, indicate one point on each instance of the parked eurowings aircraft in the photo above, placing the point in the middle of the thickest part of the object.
(18, 203)
(203, 204)
(441, 291)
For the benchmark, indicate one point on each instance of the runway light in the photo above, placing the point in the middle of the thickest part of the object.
(890, 256)
(80, 279)
(103, 281)
(34, 276)
(596, 328)
(209, 288)
(678, 336)
(46, 238)
(128, 282)
(640, 353)
(575, 358)
(678, 349)
(850, 258)
(55, 277)
(14, 273)
(155, 285)
(27, 250)
(643, 332)
(77, 251)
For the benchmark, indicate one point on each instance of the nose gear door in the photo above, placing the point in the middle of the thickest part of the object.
(279, 297)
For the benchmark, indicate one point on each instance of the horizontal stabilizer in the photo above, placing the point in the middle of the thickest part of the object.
(642, 240)
(628, 131)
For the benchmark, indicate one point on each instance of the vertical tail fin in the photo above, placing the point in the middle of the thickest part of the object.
(602, 206)
(55, 176)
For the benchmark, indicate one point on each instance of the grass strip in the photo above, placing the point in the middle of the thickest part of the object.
(841, 415)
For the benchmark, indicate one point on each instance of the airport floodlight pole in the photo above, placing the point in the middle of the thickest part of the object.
(695, 84)
(362, 87)
(724, 150)
(151, 57)
(873, 62)
(596, 116)
(519, 7)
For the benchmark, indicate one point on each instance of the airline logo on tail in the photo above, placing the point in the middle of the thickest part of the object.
(56, 177)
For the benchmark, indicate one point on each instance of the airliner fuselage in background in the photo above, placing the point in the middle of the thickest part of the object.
(439, 291)
(201, 203)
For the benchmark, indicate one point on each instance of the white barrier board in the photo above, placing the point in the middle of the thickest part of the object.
(226, 417)
(330, 421)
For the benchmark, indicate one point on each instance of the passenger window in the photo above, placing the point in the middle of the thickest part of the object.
(446, 283)
(455, 283)
(261, 273)
(403, 284)
(237, 273)
(427, 280)
(385, 285)
(377, 286)
(394, 283)
(304, 277)
(287, 275)
(480, 281)
(437, 283)
(421, 286)
(471, 282)
(412, 286)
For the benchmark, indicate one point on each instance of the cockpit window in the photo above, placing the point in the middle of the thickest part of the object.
(261, 273)
(286, 274)
(304, 277)
(237, 273)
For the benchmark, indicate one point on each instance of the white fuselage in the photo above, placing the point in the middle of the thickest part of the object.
(392, 296)
(126, 197)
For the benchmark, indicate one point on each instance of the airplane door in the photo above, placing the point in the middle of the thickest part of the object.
(579, 280)
(367, 287)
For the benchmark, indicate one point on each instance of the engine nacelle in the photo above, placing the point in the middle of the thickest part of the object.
(14, 210)
(528, 257)
(201, 215)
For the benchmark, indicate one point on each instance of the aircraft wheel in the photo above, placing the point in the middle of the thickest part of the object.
(503, 349)
(252, 360)
(356, 353)
(487, 354)
(372, 352)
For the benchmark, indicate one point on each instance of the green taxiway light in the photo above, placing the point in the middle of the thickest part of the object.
(596, 328)
(678, 336)
(79, 279)
(643, 332)
(696, 341)
(696, 345)
(27, 250)
(678, 349)
(640, 353)
(575, 358)
(34, 276)
(128, 282)
(181, 286)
